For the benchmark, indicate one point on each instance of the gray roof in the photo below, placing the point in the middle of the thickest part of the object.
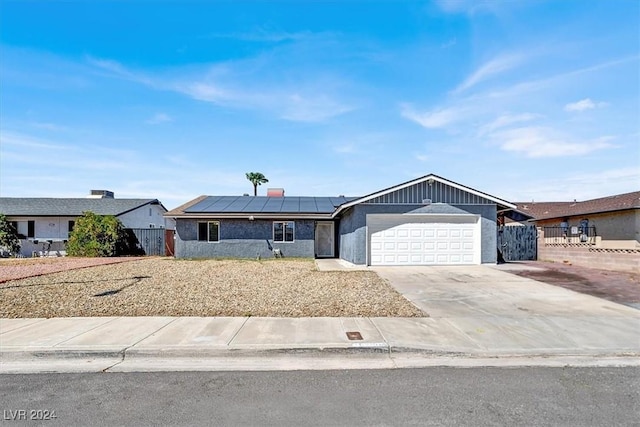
(21, 206)
(261, 204)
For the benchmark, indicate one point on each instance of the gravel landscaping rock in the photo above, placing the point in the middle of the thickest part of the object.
(19, 268)
(169, 287)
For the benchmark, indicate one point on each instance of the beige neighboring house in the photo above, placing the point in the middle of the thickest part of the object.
(44, 223)
(611, 222)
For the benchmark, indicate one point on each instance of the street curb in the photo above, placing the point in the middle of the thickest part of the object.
(308, 351)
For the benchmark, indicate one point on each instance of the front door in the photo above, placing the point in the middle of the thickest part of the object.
(325, 240)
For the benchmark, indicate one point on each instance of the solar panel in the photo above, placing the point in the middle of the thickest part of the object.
(261, 204)
(239, 204)
(324, 205)
(256, 205)
(291, 204)
(221, 204)
(308, 204)
(202, 205)
(274, 204)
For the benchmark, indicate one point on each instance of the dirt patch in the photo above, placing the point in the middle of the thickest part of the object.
(168, 287)
(616, 286)
(20, 268)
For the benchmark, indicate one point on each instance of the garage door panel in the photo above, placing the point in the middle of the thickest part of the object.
(426, 243)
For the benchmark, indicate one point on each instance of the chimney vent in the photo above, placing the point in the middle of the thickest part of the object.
(275, 192)
(101, 194)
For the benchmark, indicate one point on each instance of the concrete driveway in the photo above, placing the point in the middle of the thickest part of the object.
(500, 312)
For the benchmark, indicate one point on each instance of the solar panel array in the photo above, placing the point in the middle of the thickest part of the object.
(261, 204)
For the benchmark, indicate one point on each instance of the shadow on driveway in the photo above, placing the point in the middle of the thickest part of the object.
(616, 286)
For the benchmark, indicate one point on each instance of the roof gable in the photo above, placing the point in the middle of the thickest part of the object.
(430, 189)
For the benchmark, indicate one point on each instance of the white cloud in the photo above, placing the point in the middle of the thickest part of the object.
(49, 126)
(557, 80)
(438, 118)
(538, 142)
(159, 118)
(344, 149)
(310, 108)
(506, 120)
(449, 43)
(265, 34)
(486, 71)
(584, 104)
(463, 6)
(236, 85)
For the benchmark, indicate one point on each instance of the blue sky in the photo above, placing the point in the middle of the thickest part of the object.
(525, 100)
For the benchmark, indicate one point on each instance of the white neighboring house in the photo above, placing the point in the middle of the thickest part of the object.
(44, 224)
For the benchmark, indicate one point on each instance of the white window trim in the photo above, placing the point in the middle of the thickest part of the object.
(284, 233)
(209, 237)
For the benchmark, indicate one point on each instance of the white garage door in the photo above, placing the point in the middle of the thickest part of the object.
(425, 243)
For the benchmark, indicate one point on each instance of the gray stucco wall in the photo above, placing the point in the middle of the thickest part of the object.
(243, 239)
(353, 234)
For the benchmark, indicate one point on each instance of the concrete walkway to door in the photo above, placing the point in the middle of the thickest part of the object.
(499, 312)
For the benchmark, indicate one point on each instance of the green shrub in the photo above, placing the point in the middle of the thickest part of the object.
(95, 236)
(9, 241)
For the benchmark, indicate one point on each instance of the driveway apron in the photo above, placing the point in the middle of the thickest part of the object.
(500, 312)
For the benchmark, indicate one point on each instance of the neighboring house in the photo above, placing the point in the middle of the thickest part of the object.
(44, 224)
(429, 220)
(612, 221)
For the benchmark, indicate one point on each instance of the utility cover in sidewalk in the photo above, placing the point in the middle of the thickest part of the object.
(354, 336)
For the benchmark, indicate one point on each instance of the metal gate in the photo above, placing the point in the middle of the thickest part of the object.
(518, 242)
(150, 240)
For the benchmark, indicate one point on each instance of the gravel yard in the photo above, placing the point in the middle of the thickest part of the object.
(169, 287)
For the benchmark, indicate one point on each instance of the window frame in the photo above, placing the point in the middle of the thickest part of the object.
(208, 227)
(284, 231)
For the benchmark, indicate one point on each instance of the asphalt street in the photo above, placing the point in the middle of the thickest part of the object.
(431, 396)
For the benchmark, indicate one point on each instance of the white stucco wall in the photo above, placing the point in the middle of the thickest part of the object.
(45, 227)
(144, 216)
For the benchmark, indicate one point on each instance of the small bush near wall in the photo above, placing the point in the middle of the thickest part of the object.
(9, 242)
(95, 236)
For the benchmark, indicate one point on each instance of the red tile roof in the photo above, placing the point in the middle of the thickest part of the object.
(547, 210)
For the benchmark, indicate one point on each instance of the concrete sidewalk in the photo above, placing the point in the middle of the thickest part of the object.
(156, 343)
(478, 316)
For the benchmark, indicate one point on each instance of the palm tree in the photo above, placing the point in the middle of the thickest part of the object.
(256, 179)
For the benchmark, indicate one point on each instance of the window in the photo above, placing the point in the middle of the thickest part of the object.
(209, 231)
(25, 229)
(71, 225)
(283, 231)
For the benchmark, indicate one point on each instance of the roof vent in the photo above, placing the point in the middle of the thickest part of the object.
(275, 192)
(101, 194)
